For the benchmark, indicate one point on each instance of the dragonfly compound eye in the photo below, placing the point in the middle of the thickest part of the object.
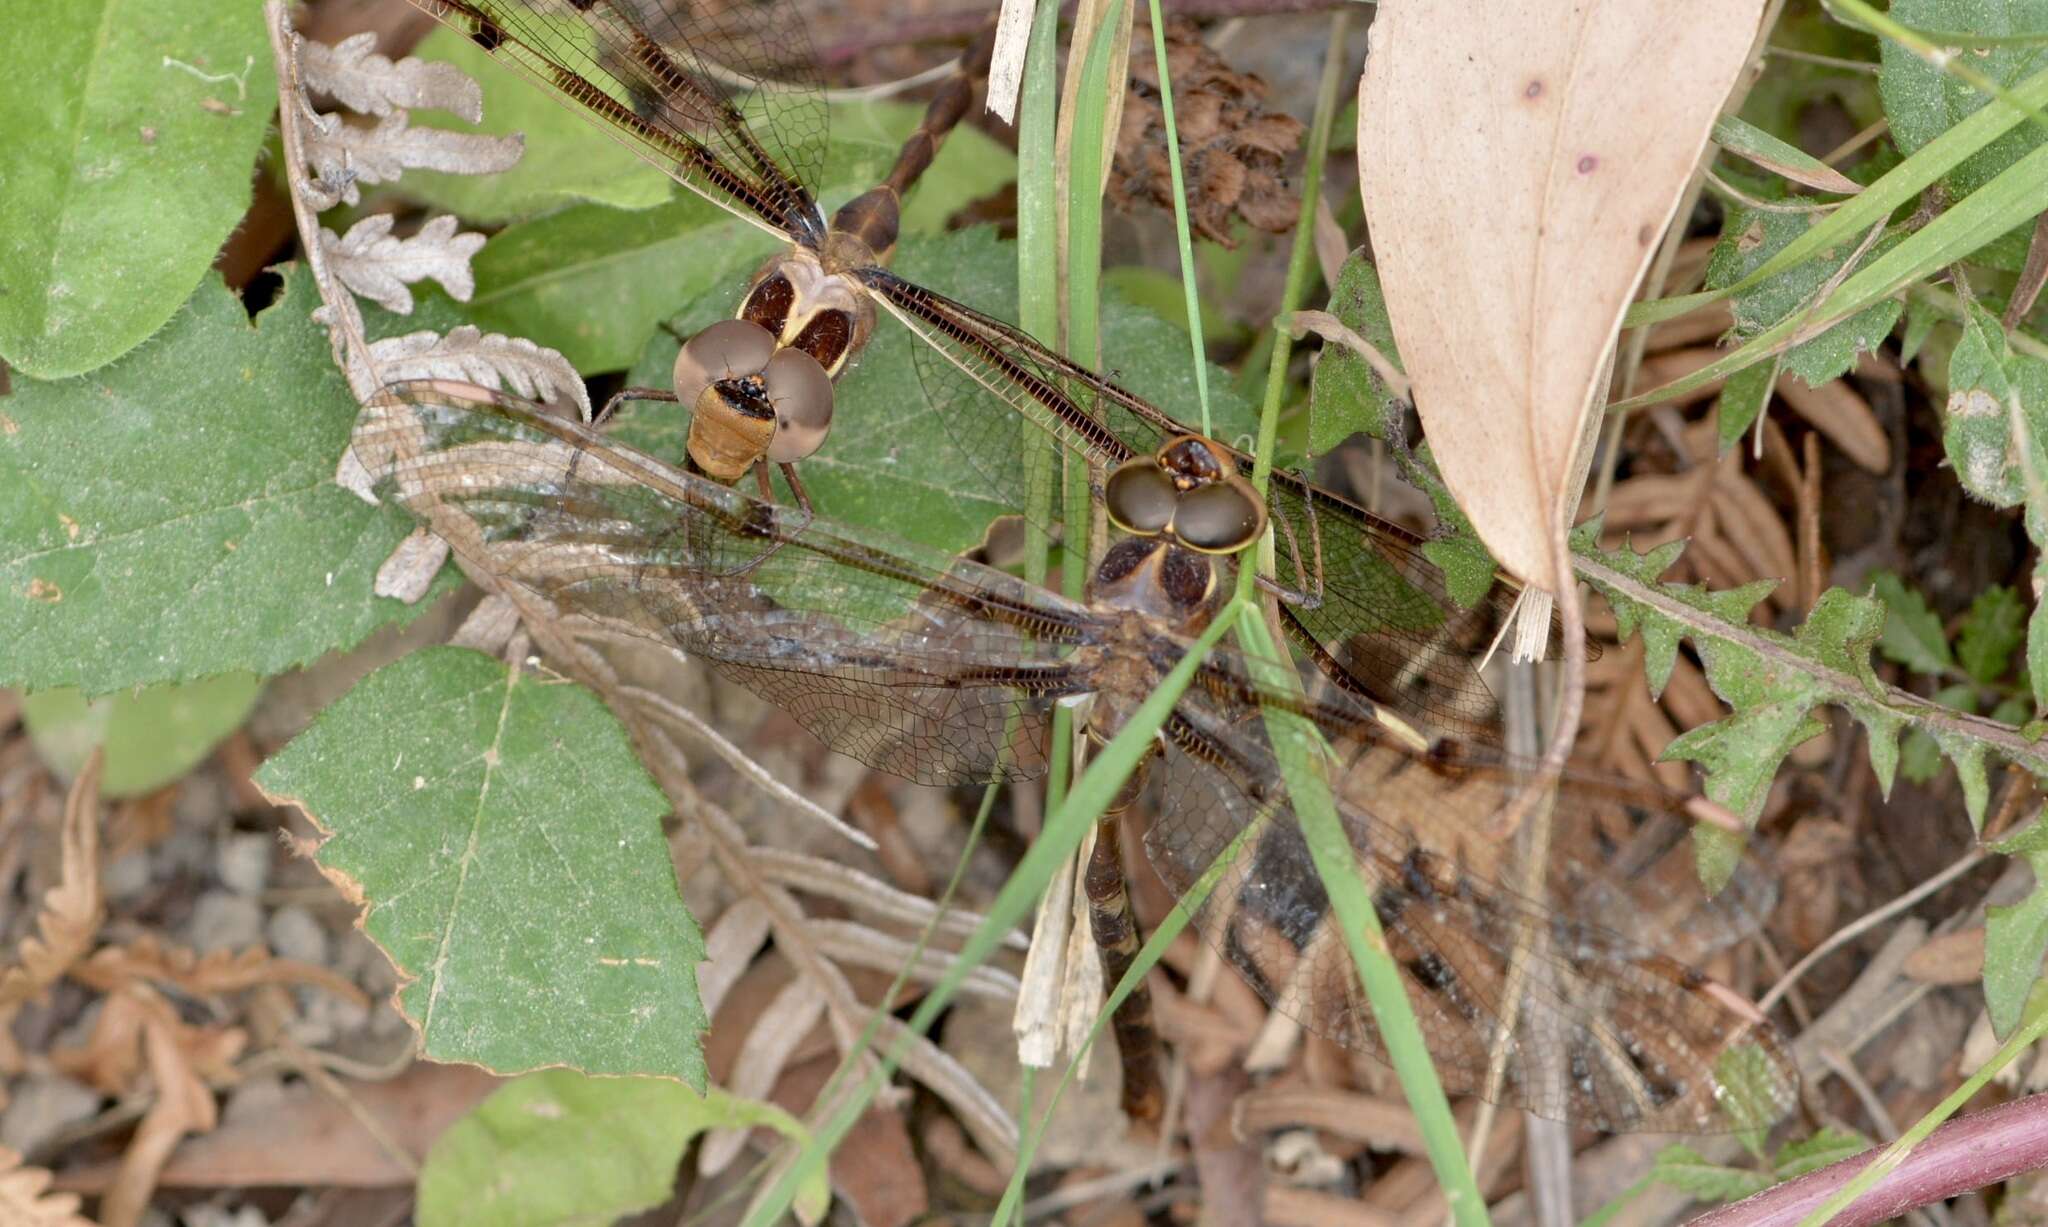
(1219, 519)
(801, 392)
(1140, 497)
(729, 349)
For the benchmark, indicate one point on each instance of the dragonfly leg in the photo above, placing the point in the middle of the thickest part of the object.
(626, 394)
(1116, 938)
(1310, 595)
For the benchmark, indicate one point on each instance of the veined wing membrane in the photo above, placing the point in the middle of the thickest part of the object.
(671, 82)
(1598, 1026)
(1386, 618)
(925, 668)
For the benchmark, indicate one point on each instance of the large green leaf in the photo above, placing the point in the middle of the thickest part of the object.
(1345, 395)
(891, 459)
(558, 1147)
(507, 846)
(1922, 101)
(152, 736)
(130, 130)
(174, 516)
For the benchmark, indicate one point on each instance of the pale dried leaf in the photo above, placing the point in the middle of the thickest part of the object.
(23, 1202)
(377, 266)
(489, 628)
(344, 155)
(1511, 240)
(729, 949)
(353, 74)
(855, 944)
(1840, 413)
(115, 968)
(494, 360)
(410, 570)
(72, 909)
(774, 1037)
(817, 875)
(1948, 958)
(183, 1105)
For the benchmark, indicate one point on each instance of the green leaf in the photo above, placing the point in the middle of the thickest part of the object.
(1690, 1172)
(1992, 631)
(2016, 937)
(507, 847)
(1742, 401)
(892, 458)
(174, 516)
(1752, 1093)
(152, 736)
(1913, 634)
(1827, 1145)
(1345, 396)
(2037, 638)
(132, 127)
(1746, 140)
(1751, 237)
(560, 1147)
(1920, 758)
(1922, 101)
(1994, 393)
(566, 159)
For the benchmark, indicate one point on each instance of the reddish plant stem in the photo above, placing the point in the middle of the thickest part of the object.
(1964, 1154)
(952, 26)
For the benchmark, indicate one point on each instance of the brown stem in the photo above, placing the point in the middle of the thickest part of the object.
(965, 23)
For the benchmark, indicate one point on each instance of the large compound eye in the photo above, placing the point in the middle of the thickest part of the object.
(1140, 497)
(801, 393)
(729, 349)
(1221, 518)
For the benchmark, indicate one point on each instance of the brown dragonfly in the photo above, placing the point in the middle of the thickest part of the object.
(1570, 982)
(1358, 595)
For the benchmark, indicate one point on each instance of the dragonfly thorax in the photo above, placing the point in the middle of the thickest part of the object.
(807, 305)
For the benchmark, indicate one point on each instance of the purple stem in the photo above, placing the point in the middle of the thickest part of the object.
(1964, 1154)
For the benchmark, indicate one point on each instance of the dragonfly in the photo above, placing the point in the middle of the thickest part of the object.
(1560, 991)
(1357, 593)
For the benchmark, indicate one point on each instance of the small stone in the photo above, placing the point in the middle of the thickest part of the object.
(294, 934)
(243, 863)
(223, 921)
(44, 1104)
(126, 878)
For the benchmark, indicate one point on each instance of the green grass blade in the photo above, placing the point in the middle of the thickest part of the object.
(1189, 288)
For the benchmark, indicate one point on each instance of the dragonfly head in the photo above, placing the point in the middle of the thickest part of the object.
(750, 399)
(1188, 492)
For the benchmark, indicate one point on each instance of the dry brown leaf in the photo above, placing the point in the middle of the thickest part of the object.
(183, 1105)
(114, 1052)
(222, 971)
(1840, 412)
(1519, 161)
(72, 909)
(23, 1202)
(1951, 958)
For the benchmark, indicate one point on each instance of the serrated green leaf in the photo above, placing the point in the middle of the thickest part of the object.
(1751, 237)
(1752, 1093)
(891, 457)
(1922, 101)
(507, 846)
(1715, 855)
(1992, 630)
(1913, 634)
(1920, 758)
(1742, 400)
(1692, 1174)
(1972, 771)
(1827, 1145)
(132, 128)
(1882, 728)
(558, 1147)
(224, 544)
(152, 736)
(2016, 937)
(1345, 397)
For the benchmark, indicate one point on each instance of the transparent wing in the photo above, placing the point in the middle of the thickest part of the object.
(1573, 977)
(722, 97)
(920, 665)
(1386, 624)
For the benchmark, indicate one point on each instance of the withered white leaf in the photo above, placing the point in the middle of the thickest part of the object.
(377, 266)
(492, 359)
(1518, 161)
(343, 154)
(353, 74)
